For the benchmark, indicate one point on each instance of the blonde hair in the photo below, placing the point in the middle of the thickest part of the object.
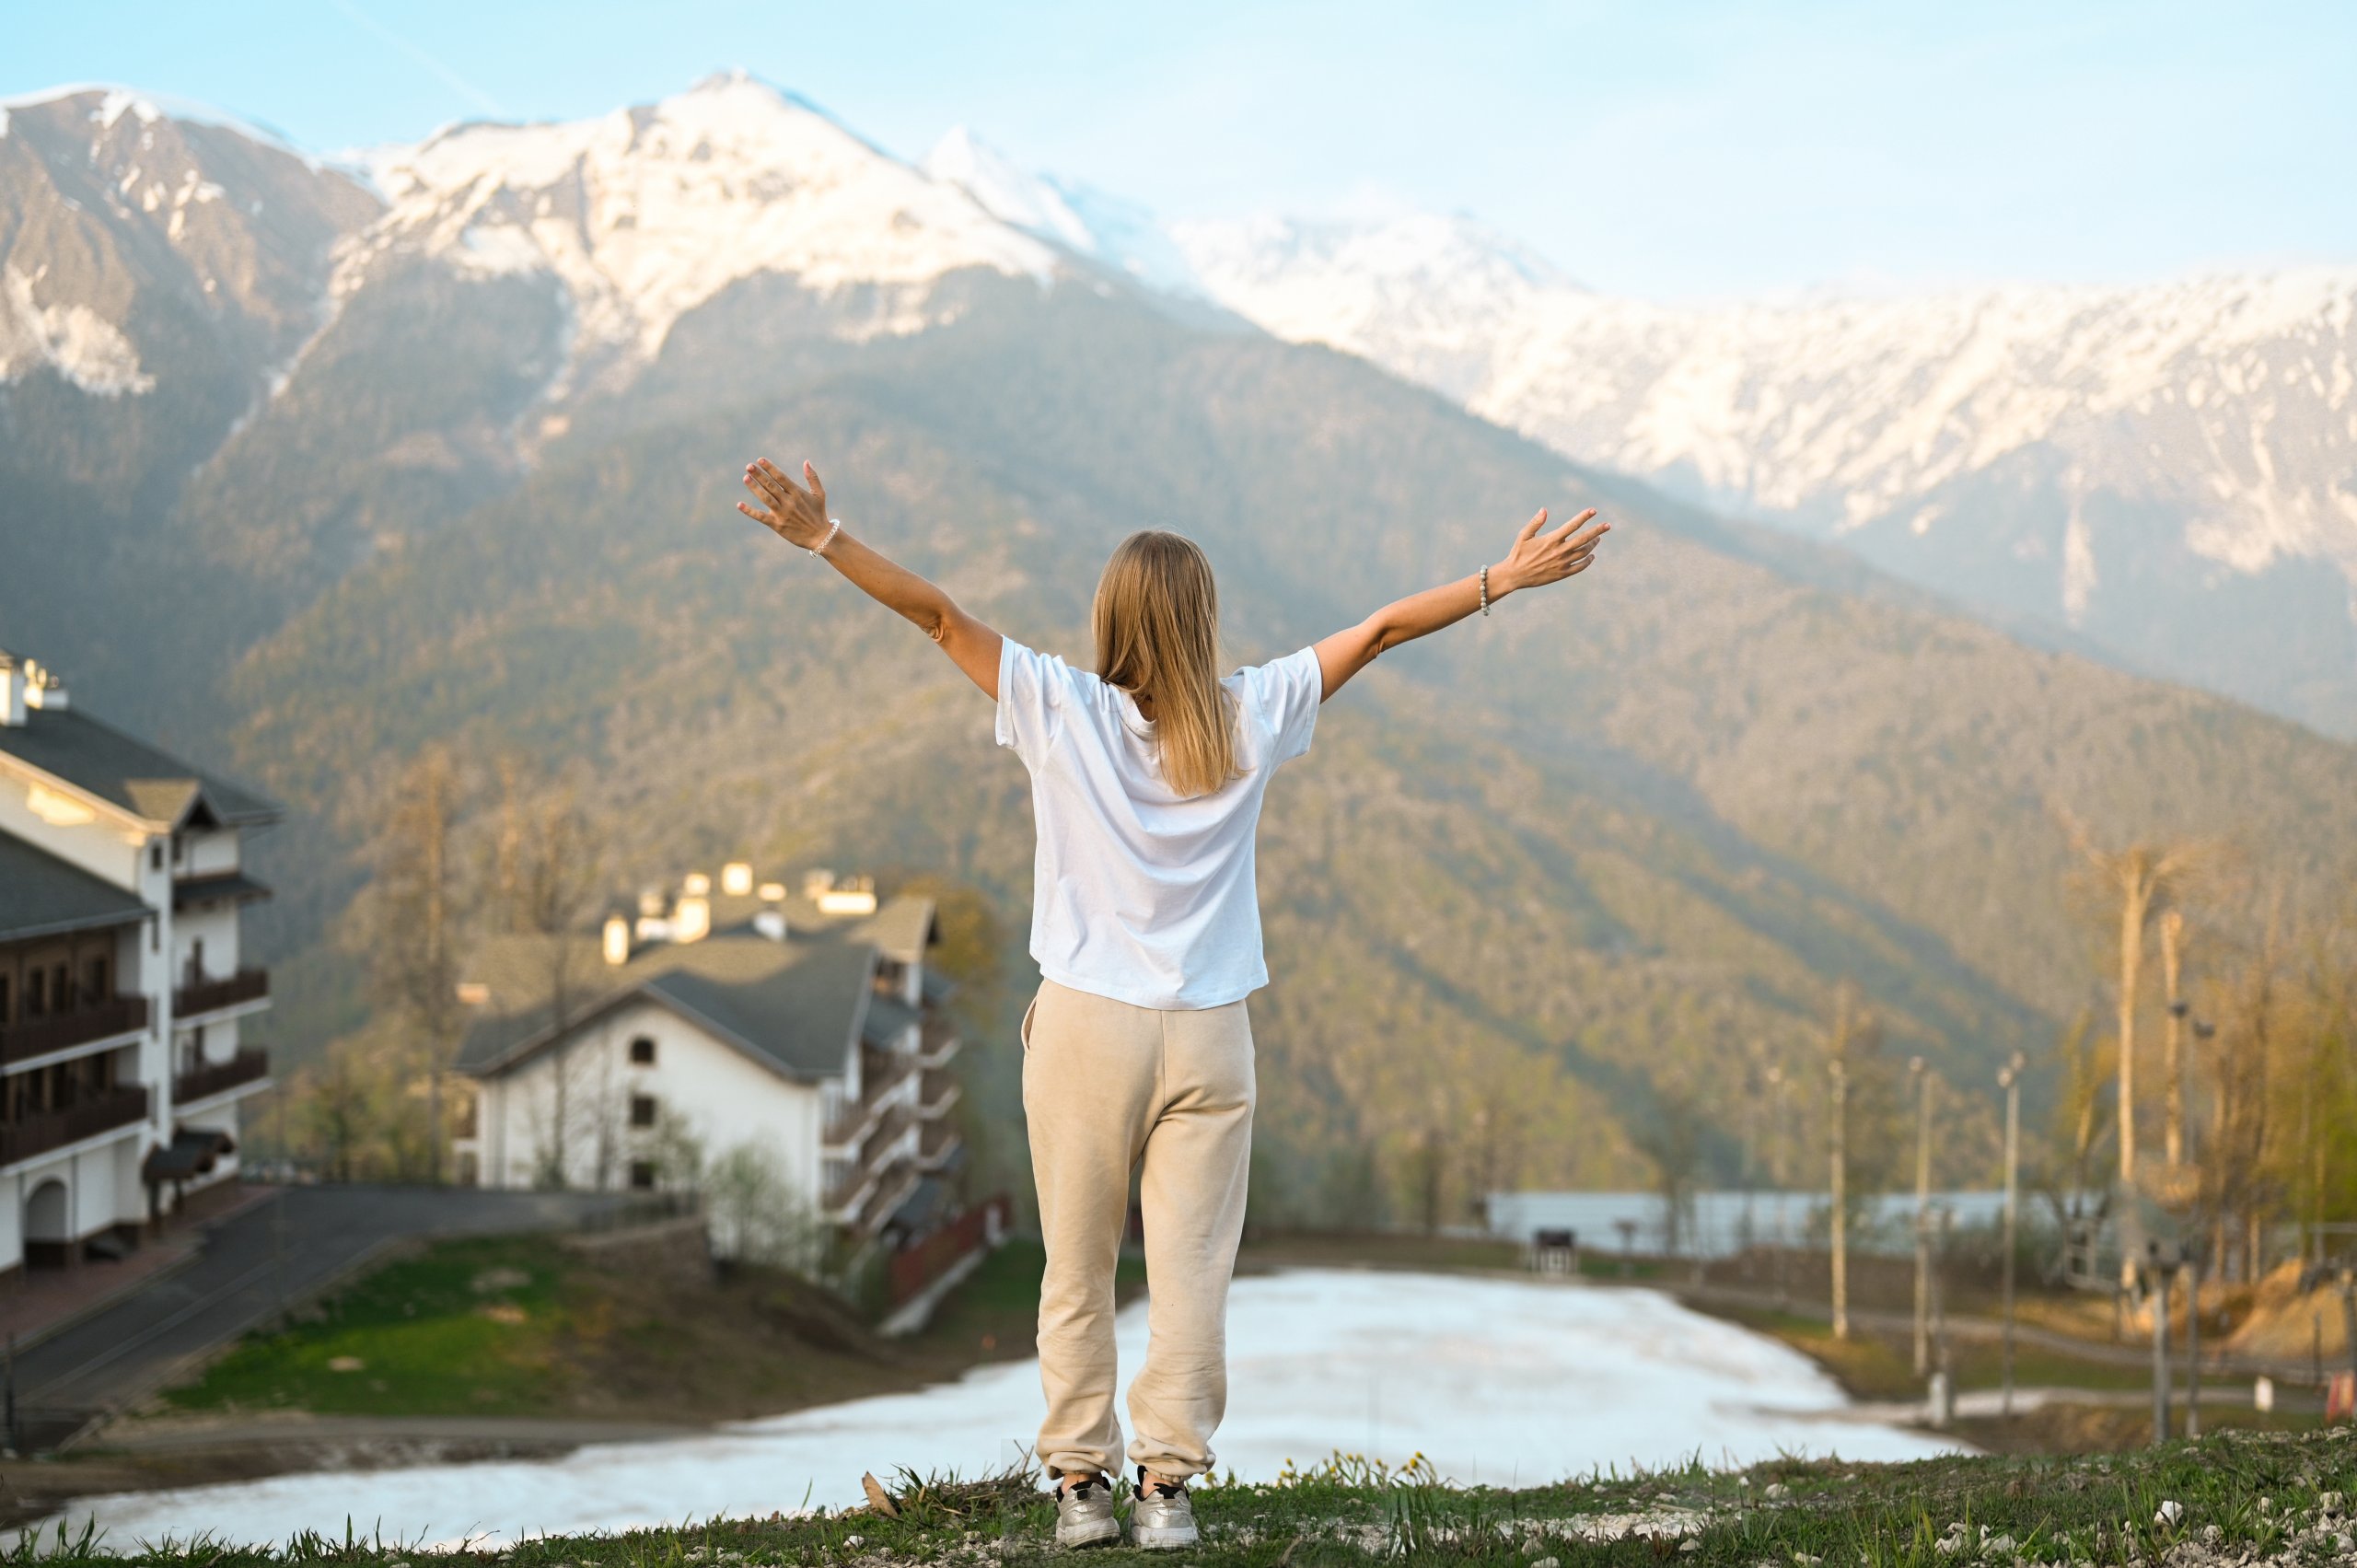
(1156, 620)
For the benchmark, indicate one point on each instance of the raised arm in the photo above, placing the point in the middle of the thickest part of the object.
(1536, 559)
(799, 516)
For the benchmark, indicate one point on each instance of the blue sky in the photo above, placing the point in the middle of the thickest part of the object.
(1667, 149)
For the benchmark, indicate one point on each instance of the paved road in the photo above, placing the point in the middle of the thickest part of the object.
(2129, 1353)
(276, 1252)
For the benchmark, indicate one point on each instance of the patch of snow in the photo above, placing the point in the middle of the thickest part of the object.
(75, 340)
(499, 251)
(120, 101)
(1496, 1381)
(647, 213)
(1084, 220)
(2078, 568)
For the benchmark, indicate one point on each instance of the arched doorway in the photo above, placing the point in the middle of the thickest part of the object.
(49, 1225)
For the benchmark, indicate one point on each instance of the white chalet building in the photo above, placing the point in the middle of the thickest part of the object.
(125, 993)
(803, 1025)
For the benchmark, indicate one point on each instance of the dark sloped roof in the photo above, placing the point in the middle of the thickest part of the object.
(43, 896)
(888, 1019)
(795, 1007)
(901, 928)
(228, 887)
(128, 774)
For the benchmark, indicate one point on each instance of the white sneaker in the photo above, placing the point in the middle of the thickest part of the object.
(1161, 1516)
(1085, 1514)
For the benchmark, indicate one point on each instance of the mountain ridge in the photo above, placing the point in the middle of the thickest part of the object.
(1549, 870)
(2169, 470)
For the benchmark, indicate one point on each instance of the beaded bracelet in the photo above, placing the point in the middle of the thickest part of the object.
(832, 532)
(1485, 589)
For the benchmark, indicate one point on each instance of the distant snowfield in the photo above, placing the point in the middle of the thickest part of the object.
(1497, 1381)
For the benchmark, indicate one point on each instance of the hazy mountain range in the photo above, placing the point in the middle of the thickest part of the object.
(2168, 471)
(302, 467)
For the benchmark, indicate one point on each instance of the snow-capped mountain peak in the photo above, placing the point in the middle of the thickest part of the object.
(1442, 289)
(1114, 233)
(648, 212)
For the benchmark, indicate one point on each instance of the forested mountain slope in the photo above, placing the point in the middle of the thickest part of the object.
(1542, 882)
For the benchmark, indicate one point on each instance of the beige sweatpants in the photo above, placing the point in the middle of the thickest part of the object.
(1108, 1087)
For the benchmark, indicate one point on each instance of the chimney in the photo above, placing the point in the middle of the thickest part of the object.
(615, 940)
(12, 691)
(43, 689)
(737, 880)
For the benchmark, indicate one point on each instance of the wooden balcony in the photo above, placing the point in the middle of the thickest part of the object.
(212, 1077)
(883, 1074)
(934, 1151)
(115, 1015)
(936, 1093)
(213, 995)
(890, 1146)
(47, 1129)
(937, 1040)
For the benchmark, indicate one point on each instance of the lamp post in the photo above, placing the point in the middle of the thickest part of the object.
(1780, 1176)
(2193, 1340)
(1838, 1141)
(2009, 1080)
(2160, 1267)
(1923, 1214)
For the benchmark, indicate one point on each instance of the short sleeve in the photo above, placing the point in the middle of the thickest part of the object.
(1031, 686)
(1287, 692)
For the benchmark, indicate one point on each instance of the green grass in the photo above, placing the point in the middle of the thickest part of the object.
(466, 1325)
(996, 1310)
(2237, 1495)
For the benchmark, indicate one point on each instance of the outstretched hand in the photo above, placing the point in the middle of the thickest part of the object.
(795, 515)
(1539, 558)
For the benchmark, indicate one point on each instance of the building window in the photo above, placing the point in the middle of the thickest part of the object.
(36, 992)
(3, 998)
(155, 856)
(642, 1051)
(642, 1175)
(642, 1111)
(98, 979)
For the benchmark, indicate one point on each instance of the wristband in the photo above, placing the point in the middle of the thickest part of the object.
(832, 532)
(1485, 589)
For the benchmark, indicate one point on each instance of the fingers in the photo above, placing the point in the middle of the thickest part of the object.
(1573, 527)
(1531, 528)
(817, 487)
(786, 488)
(765, 489)
(766, 519)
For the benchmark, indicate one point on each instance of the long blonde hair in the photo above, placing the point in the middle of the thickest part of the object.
(1156, 620)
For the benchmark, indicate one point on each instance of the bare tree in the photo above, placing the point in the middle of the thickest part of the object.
(547, 865)
(2145, 878)
(2080, 1107)
(2173, 1023)
(1671, 1141)
(413, 956)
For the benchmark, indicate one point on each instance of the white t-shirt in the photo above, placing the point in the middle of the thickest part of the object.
(1138, 894)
